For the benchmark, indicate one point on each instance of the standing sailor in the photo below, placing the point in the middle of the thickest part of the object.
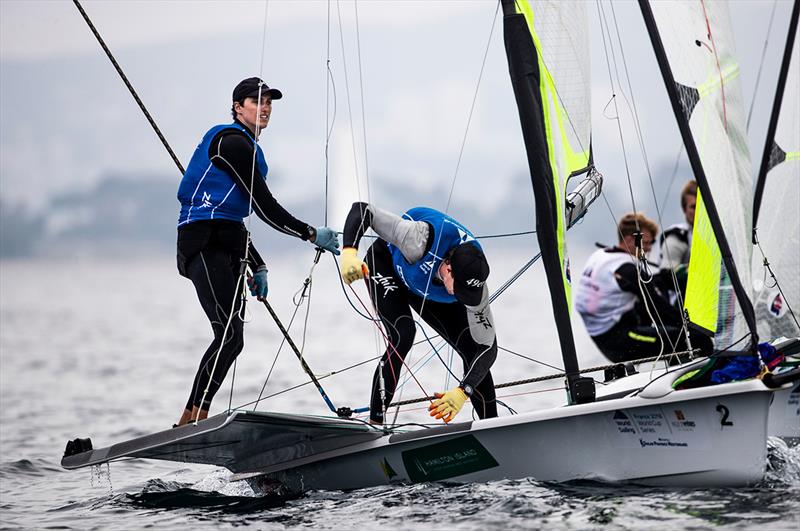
(610, 299)
(427, 261)
(225, 182)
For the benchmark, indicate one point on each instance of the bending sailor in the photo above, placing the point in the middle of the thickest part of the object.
(427, 261)
(225, 182)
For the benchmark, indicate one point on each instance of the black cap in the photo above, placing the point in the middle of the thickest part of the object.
(248, 88)
(470, 271)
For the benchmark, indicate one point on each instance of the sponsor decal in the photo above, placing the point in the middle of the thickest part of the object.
(681, 423)
(449, 459)
(624, 424)
(777, 306)
(481, 319)
(649, 422)
(663, 442)
(475, 283)
(659, 427)
(387, 283)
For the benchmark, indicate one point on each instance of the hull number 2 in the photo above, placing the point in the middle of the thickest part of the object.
(725, 414)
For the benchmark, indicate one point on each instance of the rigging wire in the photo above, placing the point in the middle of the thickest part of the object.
(761, 65)
(471, 110)
(356, 172)
(245, 259)
(767, 268)
(362, 98)
(305, 292)
(672, 177)
(640, 137)
(613, 100)
(329, 121)
(129, 86)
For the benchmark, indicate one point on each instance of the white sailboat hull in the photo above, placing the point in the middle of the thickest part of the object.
(784, 410)
(700, 437)
(784, 415)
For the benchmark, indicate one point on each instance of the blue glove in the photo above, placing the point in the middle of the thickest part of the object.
(258, 283)
(327, 239)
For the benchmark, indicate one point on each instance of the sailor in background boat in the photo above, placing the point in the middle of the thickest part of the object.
(220, 188)
(676, 242)
(427, 261)
(609, 297)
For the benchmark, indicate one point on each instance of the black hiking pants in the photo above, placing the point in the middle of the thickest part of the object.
(393, 303)
(209, 254)
(630, 340)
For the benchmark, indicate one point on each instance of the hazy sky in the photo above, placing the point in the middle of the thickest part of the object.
(67, 119)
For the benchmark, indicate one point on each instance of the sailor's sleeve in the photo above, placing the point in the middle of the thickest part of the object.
(481, 329)
(411, 237)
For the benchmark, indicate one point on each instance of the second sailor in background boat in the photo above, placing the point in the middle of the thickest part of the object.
(427, 261)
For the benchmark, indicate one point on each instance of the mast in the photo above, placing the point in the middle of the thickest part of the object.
(682, 117)
(767, 159)
(526, 78)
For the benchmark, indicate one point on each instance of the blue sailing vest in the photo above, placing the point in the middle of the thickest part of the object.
(206, 192)
(446, 234)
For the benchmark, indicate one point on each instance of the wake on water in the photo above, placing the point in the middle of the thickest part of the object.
(216, 493)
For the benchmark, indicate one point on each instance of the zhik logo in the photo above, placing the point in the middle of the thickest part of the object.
(387, 283)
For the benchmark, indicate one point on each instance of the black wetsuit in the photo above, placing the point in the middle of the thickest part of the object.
(634, 337)
(456, 323)
(210, 254)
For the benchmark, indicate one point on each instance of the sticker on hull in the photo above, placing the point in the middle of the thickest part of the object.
(448, 459)
(657, 428)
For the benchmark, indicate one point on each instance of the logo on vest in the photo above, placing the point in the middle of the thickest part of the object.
(426, 267)
(463, 235)
(206, 200)
(400, 274)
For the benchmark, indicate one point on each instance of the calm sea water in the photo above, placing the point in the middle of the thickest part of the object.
(108, 349)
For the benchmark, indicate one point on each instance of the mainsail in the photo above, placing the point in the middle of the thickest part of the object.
(778, 229)
(548, 58)
(694, 42)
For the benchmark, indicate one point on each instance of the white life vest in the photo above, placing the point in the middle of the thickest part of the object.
(598, 297)
(676, 245)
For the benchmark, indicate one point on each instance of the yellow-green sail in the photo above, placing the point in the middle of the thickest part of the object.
(563, 89)
(702, 286)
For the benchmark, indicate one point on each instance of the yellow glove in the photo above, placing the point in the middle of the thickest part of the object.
(447, 405)
(351, 266)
